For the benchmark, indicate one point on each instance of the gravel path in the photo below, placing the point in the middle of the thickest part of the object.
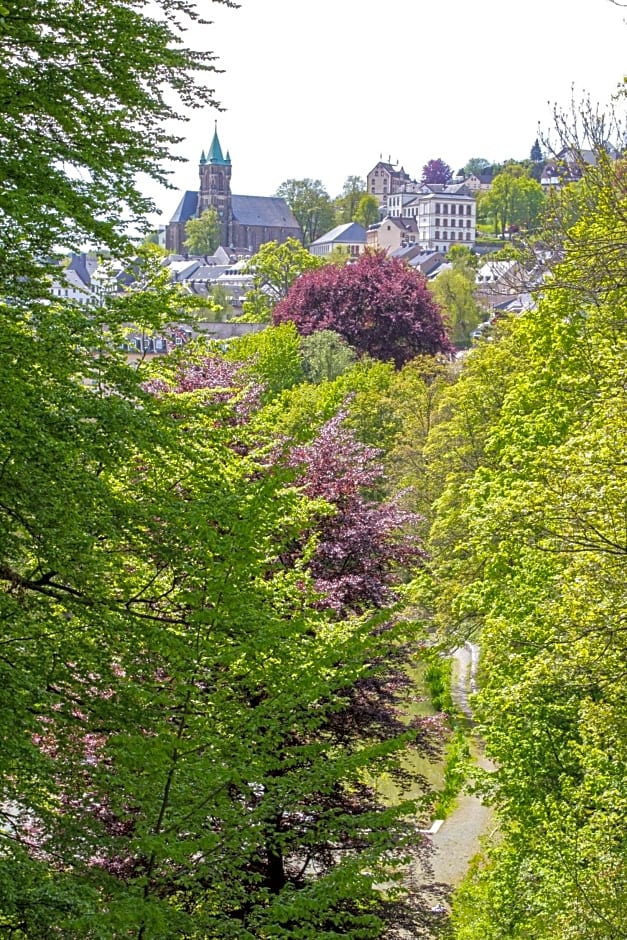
(458, 839)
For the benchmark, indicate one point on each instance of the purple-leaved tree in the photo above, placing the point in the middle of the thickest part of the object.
(436, 171)
(378, 304)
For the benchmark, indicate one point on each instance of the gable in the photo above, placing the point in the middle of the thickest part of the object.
(186, 208)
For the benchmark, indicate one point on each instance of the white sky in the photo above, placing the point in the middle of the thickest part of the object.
(324, 89)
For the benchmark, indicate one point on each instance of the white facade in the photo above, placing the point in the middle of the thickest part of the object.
(445, 219)
(442, 216)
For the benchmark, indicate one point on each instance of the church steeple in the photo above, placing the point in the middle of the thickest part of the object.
(215, 157)
(215, 185)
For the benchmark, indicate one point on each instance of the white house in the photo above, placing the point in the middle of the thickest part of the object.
(349, 239)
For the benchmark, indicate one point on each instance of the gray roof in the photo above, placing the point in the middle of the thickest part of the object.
(446, 189)
(269, 211)
(186, 208)
(83, 267)
(263, 210)
(351, 233)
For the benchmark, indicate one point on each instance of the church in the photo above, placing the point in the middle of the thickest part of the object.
(247, 221)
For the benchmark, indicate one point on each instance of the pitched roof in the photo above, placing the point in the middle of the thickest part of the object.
(271, 211)
(349, 233)
(445, 189)
(214, 155)
(186, 208)
(83, 267)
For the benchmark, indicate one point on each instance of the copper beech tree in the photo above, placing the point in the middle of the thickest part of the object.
(379, 305)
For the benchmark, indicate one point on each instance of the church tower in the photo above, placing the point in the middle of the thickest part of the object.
(215, 185)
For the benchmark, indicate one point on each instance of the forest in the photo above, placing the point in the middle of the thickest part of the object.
(224, 571)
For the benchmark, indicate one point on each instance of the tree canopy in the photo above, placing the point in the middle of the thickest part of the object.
(513, 199)
(378, 305)
(476, 165)
(311, 204)
(275, 267)
(436, 171)
(82, 117)
(202, 234)
(347, 202)
(528, 550)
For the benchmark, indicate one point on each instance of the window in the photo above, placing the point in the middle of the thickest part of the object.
(467, 223)
(467, 236)
(437, 208)
(437, 234)
(468, 210)
(445, 209)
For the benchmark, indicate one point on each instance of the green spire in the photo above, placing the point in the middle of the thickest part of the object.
(215, 151)
(203, 158)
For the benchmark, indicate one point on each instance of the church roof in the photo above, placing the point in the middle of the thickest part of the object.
(263, 210)
(268, 211)
(186, 208)
(215, 156)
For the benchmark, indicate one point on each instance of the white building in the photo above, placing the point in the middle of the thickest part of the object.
(348, 239)
(440, 215)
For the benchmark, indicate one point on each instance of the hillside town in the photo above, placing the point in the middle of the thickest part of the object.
(416, 221)
(312, 504)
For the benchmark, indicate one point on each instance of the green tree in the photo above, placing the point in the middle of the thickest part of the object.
(367, 212)
(454, 290)
(275, 267)
(528, 204)
(221, 301)
(271, 357)
(536, 152)
(202, 234)
(326, 356)
(311, 204)
(513, 199)
(75, 138)
(463, 258)
(347, 202)
(528, 554)
(499, 201)
(476, 165)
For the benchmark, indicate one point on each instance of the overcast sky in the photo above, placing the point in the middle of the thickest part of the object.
(325, 89)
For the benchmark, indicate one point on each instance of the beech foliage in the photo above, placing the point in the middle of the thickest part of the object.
(190, 726)
(377, 304)
(528, 548)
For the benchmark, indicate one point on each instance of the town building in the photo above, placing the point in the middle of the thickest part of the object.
(384, 180)
(392, 233)
(74, 282)
(436, 217)
(346, 239)
(247, 222)
(446, 214)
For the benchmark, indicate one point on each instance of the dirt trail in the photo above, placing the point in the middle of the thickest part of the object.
(458, 838)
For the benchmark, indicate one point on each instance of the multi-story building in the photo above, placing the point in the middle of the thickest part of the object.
(384, 180)
(247, 222)
(445, 215)
(435, 218)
